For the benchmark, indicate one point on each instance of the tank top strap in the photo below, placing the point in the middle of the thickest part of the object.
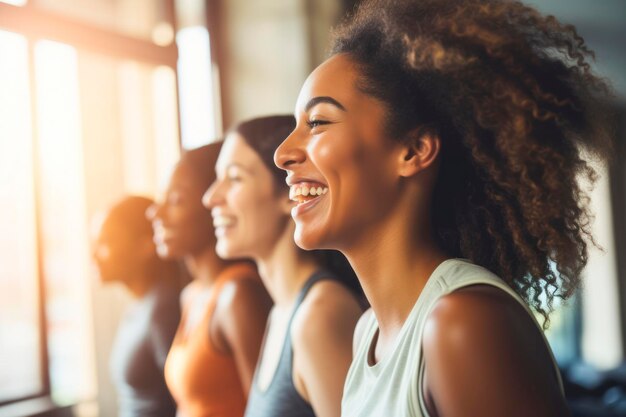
(280, 397)
(312, 280)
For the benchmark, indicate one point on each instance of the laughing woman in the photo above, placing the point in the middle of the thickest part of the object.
(211, 362)
(445, 130)
(307, 347)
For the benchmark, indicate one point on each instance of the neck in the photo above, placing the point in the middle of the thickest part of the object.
(284, 268)
(393, 261)
(205, 266)
(140, 285)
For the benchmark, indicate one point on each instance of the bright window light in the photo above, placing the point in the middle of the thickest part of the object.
(19, 307)
(64, 223)
(197, 111)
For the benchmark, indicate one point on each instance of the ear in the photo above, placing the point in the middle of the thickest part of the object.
(420, 151)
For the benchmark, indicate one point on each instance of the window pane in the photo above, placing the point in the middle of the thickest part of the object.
(20, 344)
(198, 100)
(144, 19)
(64, 223)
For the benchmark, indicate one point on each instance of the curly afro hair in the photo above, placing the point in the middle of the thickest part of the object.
(512, 97)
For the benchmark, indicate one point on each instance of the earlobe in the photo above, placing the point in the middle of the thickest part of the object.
(419, 153)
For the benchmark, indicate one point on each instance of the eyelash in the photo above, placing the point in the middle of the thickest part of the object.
(316, 123)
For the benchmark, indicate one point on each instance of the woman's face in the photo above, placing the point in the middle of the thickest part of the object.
(339, 147)
(182, 226)
(249, 214)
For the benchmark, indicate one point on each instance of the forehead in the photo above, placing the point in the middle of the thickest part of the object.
(236, 150)
(336, 77)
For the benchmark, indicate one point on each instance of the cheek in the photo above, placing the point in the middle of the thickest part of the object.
(259, 221)
(359, 173)
(351, 165)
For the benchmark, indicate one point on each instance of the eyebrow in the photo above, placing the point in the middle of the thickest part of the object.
(238, 165)
(323, 99)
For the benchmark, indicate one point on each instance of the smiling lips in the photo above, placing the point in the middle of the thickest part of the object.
(306, 191)
(220, 220)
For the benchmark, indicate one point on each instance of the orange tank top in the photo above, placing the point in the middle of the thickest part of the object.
(203, 381)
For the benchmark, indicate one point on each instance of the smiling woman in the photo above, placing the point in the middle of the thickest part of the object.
(307, 346)
(448, 130)
(210, 365)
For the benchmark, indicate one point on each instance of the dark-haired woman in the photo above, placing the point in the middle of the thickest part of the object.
(224, 309)
(449, 135)
(307, 347)
(124, 253)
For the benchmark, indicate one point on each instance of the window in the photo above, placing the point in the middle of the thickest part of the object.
(89, 112)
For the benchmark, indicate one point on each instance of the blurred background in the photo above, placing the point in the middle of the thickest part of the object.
(97, 99)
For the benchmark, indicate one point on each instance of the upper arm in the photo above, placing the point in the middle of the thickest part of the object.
(359, 331)
(242, 310)
(485, 356)
(322, 344)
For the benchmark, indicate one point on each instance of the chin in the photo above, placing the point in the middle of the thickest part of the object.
(165, 252)
(306, 241)
(225, 251)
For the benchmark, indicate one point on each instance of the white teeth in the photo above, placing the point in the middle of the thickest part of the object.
(305, 191)
(222, 221)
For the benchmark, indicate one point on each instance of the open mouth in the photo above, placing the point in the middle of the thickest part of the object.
(222, 221)
(304, 192)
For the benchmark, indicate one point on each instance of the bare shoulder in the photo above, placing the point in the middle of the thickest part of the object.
(242, 294)
(241, 312)
(330, 310)
(478, 314)
(187, 293)
(481, 333)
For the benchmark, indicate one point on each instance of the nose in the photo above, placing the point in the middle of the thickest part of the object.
(213, 195)
(289, 152)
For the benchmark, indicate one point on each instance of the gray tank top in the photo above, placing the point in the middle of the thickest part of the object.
(138, 355)
(394, 385)
(280, 398)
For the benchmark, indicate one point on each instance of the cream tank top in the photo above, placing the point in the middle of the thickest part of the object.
(393, 386)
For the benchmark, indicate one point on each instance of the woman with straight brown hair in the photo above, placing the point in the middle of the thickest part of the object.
(307, 347)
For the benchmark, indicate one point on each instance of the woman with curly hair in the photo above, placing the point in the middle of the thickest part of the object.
(447, 138)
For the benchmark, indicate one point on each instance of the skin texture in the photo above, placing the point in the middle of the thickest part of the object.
(183, 230)
(260, 227)
(380, 219)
